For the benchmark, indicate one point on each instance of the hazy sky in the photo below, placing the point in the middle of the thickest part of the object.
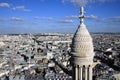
(40, 16)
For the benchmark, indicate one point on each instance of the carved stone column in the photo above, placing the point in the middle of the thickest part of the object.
(76, 72)
(90, 72)
(80, 72)
(86, 72)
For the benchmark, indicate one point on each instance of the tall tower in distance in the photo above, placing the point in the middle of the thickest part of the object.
(82, 52)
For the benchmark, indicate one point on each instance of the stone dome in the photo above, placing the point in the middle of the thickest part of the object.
(82, 45)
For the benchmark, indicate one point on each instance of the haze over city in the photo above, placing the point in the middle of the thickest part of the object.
(51, 16)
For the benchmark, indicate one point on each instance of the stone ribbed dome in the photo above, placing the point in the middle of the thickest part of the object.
(82, 45)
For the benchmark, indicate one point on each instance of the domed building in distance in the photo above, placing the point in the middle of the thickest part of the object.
(82, 52)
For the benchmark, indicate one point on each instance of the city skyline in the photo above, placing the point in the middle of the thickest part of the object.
(40, 16)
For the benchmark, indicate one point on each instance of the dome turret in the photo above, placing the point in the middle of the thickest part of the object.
(82, 46)
(82, 52)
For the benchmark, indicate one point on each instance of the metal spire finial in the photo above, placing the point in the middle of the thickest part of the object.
(82, 15)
